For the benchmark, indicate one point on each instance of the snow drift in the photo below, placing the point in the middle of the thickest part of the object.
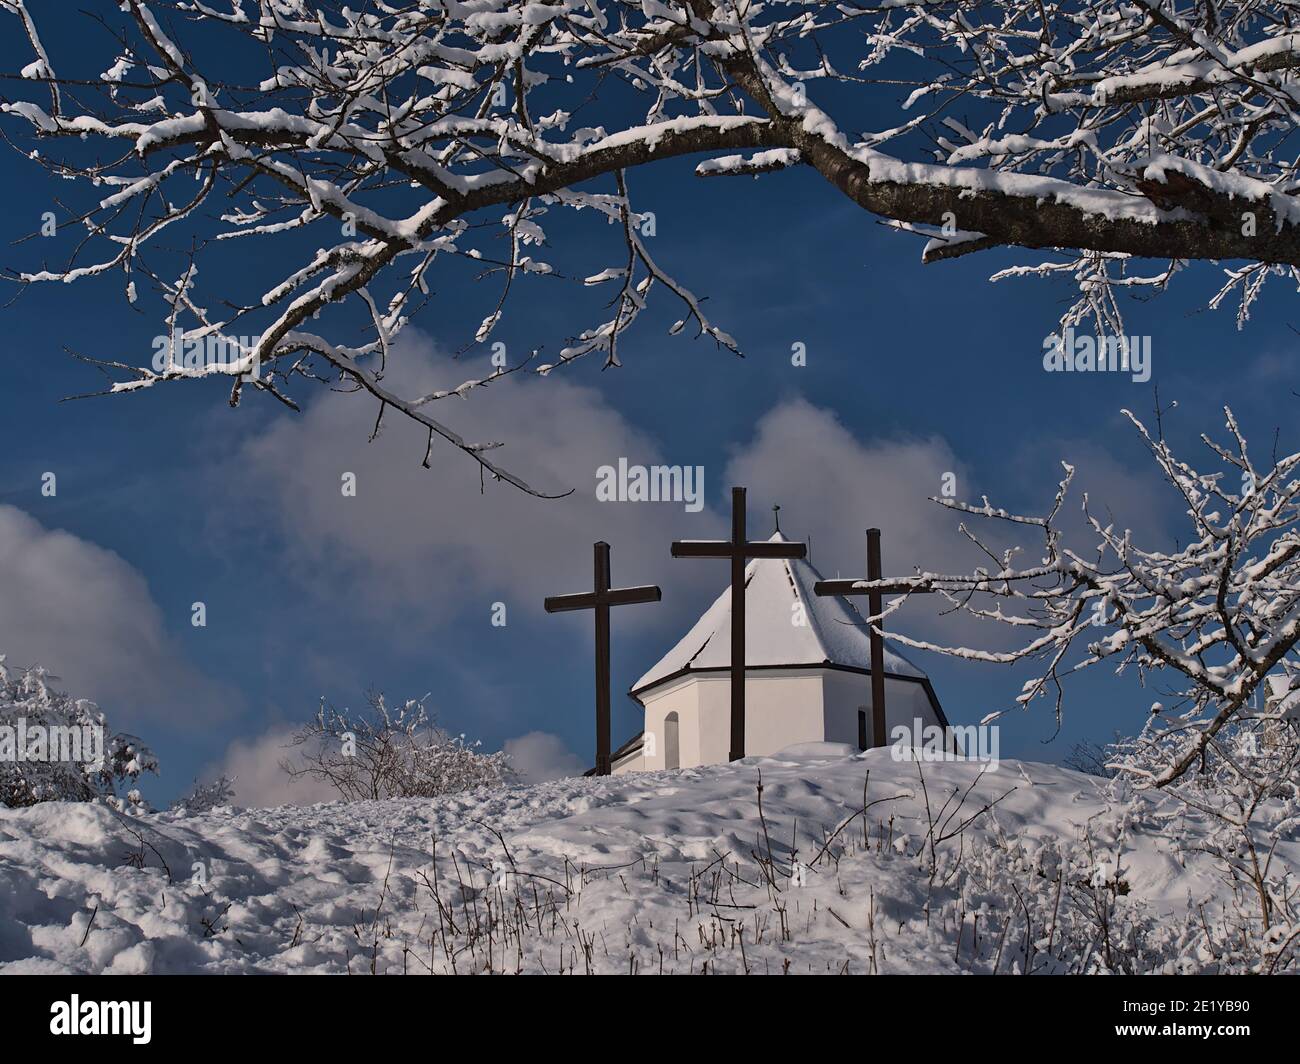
(840, 868)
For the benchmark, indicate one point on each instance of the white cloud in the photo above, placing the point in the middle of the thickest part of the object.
(86, 615)
(430, 546)
(540, 756)
(436, 539)
(260, 782)
(833, 486)
(1128, 492)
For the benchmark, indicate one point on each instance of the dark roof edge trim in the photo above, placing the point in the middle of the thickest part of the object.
(923, 680)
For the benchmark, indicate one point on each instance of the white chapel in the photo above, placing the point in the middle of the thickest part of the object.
(807, 677)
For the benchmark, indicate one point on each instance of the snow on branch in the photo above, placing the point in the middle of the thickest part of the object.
(1219, 615)
(410, 141)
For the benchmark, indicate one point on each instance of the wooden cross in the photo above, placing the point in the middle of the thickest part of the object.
(600, 600)
(874, 605)
(738, 550)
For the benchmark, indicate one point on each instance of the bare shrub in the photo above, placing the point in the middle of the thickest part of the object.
(386, 752)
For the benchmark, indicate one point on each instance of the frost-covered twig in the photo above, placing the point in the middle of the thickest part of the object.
(403, 138)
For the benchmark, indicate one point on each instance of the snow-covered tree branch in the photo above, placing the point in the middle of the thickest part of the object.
(1220, 615)
(404, 138)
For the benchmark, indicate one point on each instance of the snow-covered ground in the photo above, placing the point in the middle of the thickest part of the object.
(645, 872)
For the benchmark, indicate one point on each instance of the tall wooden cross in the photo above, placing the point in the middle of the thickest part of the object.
(600, 600)
(738, 550)
(874, 595)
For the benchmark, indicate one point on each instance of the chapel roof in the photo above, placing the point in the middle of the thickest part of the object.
(834, 632)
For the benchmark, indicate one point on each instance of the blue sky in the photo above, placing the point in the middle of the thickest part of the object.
(173, 497)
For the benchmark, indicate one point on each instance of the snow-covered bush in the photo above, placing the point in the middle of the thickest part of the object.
(1048, 905)
(206, 796)
(1063, 905)
(1056, 906)
(57, 748)
(384, 752)
(1240, 802)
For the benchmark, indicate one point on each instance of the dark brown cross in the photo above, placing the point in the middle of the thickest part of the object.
(600, 600)
(874, 606)
(738, 550)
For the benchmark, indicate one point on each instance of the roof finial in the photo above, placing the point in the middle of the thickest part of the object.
(776, 517)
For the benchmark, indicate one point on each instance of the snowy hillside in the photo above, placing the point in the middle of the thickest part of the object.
(675, 871)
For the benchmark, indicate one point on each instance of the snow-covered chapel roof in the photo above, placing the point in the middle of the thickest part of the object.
(834, 633)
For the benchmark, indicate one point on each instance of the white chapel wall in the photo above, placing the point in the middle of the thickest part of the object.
(680, 697)
(781, 708)
(847, 692)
